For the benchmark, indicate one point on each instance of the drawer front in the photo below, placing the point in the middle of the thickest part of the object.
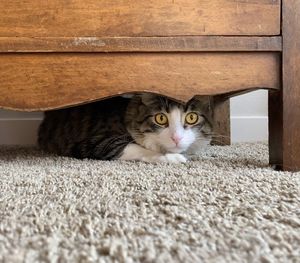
(47, 81)
(57, 18)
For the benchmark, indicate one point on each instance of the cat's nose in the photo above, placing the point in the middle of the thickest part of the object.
(176, 138)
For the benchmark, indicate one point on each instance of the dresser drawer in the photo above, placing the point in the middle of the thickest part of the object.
(57, 18)
(47, 81)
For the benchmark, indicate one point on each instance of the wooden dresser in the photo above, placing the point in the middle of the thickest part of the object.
(58, 53)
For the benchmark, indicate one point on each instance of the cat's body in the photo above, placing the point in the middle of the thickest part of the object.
(146, 127)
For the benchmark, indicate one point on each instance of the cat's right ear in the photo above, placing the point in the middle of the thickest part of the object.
(148, 98)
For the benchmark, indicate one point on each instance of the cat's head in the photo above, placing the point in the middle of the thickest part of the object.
(164, 125)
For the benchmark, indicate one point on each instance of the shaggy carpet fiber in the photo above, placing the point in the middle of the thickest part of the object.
(223, 205)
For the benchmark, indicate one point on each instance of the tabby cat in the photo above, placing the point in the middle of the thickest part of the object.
(145, 127)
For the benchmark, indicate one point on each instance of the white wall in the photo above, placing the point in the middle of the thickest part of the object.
(249, 117)
(18, 127)
(249, 121)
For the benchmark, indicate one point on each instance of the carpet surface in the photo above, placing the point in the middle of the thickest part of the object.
(223, 205)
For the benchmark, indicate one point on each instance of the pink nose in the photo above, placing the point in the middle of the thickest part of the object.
(176, 138)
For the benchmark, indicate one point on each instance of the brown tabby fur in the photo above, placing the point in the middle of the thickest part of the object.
(101, 130)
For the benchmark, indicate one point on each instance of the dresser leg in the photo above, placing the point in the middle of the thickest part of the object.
(284, 130)
(221, 122)
(284, 106)
(276, 130)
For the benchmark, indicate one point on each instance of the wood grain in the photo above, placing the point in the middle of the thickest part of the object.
(46, 81)
(103, 18)
(285, 127)
(139, 44)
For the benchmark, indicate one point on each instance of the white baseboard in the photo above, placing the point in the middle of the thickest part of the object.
(19, 131)
(249, 128)
(24, 131)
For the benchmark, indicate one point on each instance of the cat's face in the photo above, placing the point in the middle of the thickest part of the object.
(163, 125)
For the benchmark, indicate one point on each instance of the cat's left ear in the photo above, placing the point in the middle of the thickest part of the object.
(148, 98)
(205, 103)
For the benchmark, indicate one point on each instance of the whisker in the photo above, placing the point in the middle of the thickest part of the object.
(217, 135)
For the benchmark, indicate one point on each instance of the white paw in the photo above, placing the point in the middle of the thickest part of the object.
(167, 158)
(172, 158)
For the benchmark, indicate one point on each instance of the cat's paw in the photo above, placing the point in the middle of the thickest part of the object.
(167, 158)
(172, 158)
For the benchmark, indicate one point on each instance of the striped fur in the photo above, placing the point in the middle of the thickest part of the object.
(102, 130)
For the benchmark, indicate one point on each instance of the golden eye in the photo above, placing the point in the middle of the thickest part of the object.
(191, 118)
(161, 119)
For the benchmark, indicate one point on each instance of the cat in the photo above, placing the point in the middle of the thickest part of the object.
(145, 127)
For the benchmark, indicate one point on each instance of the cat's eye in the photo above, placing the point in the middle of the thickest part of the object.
(161, 119)
(191, 118)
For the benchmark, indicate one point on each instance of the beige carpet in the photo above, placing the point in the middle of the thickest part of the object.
(225, 205)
